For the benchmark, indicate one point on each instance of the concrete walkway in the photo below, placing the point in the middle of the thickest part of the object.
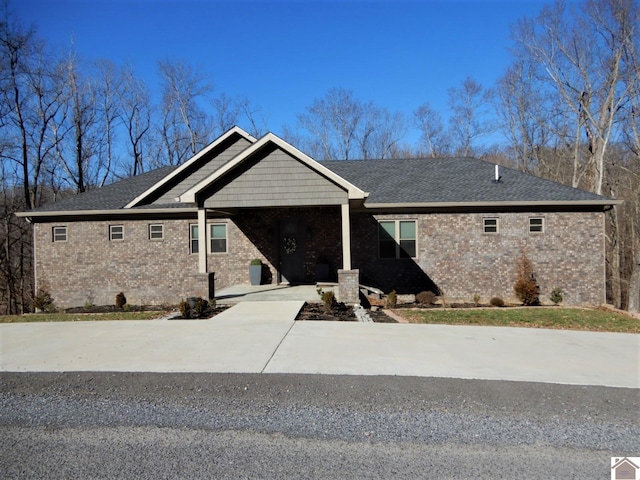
(254, 337)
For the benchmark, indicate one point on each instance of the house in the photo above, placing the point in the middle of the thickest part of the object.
(624, 468)
(455, 226)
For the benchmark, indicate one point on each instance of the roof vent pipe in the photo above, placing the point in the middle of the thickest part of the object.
(497, 177)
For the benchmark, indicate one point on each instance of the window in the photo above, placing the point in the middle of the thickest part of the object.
(397, 239)
(218, 237)
(490, 225)
(193, 238)
(156, 232)
(116, 232)
(536, 225)
(59, 234)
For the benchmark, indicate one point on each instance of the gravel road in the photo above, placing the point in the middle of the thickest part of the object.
(141, 425)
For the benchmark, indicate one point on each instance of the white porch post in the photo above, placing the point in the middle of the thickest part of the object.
(202, 240)
(346, 237)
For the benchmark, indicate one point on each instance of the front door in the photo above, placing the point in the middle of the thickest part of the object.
(292, 236)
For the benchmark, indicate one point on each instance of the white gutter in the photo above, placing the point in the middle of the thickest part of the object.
(537, 203)
(128, 211)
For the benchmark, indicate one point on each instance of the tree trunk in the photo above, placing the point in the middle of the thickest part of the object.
(634, 284)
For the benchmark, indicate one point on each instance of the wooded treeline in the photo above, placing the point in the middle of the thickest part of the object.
(567, 109)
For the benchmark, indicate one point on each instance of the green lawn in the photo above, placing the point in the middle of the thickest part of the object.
(535, 317)
(80, 317)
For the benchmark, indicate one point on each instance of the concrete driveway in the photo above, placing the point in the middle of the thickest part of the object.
(263, 337)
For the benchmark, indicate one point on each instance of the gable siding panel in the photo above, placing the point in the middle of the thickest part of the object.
(277, 180)
(203, 172)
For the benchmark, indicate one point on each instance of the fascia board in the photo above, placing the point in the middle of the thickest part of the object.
(190, 162)
(80, 213)
(556, 203)
(354, 192)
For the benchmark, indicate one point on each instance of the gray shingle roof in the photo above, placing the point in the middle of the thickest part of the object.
(450, 180)
(110, 197)
(408, 181)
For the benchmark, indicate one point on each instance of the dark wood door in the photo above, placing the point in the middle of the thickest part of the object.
(291, 251)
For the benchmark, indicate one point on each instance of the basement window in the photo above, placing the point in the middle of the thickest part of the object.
(59, 234)
(536, 225)
(156, 232)
(490, 225)
(116, 233)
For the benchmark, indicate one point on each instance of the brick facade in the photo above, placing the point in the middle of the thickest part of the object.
(458, 259)
(454, 255)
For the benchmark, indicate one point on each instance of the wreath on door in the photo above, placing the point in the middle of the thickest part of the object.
(290, 245)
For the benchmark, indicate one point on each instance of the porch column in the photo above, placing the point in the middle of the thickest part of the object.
(346, 237)
(202, 240)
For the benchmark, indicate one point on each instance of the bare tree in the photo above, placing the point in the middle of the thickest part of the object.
(341, 126)
(469, 103)
(433, 134)
(582, 53)
(135, 114)
(333, 123)
(186, 128)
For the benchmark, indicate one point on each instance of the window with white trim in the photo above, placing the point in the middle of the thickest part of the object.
(397, 238)
(194, 242)
(218, 238)
(490, 225)
(156, 231)
(59, 234)
(536, 225)
(116, 233)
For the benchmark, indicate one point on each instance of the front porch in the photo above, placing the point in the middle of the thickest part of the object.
(271, 292)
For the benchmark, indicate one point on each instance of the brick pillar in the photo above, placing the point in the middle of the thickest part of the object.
(349, 286)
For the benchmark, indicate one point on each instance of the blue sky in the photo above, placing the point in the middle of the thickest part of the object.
(281, 55)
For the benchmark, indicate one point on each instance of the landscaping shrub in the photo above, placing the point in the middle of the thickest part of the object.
(557, 296)
(200, 306)
(526, 286)
(497, 302)
(120, 300)
(426, 298)
(476, 299)
(43, 301)
(329, 300)
(185, 309)
(392, 299)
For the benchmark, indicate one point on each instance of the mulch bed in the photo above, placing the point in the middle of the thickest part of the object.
(339, 313)
(113, 308)
(310, 311)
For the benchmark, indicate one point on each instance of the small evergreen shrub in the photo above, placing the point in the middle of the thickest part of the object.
(200, 306)
(256, 261)
(43, 301)
(476, 299)
(526, 287)
(557, 296)
(185, 309)
(120, 300)
(329, 299)
(497, 302)
(426, 298)
(392, 299)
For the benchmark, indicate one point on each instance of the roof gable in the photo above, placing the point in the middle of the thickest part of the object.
(269, 141)
(207, 160)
